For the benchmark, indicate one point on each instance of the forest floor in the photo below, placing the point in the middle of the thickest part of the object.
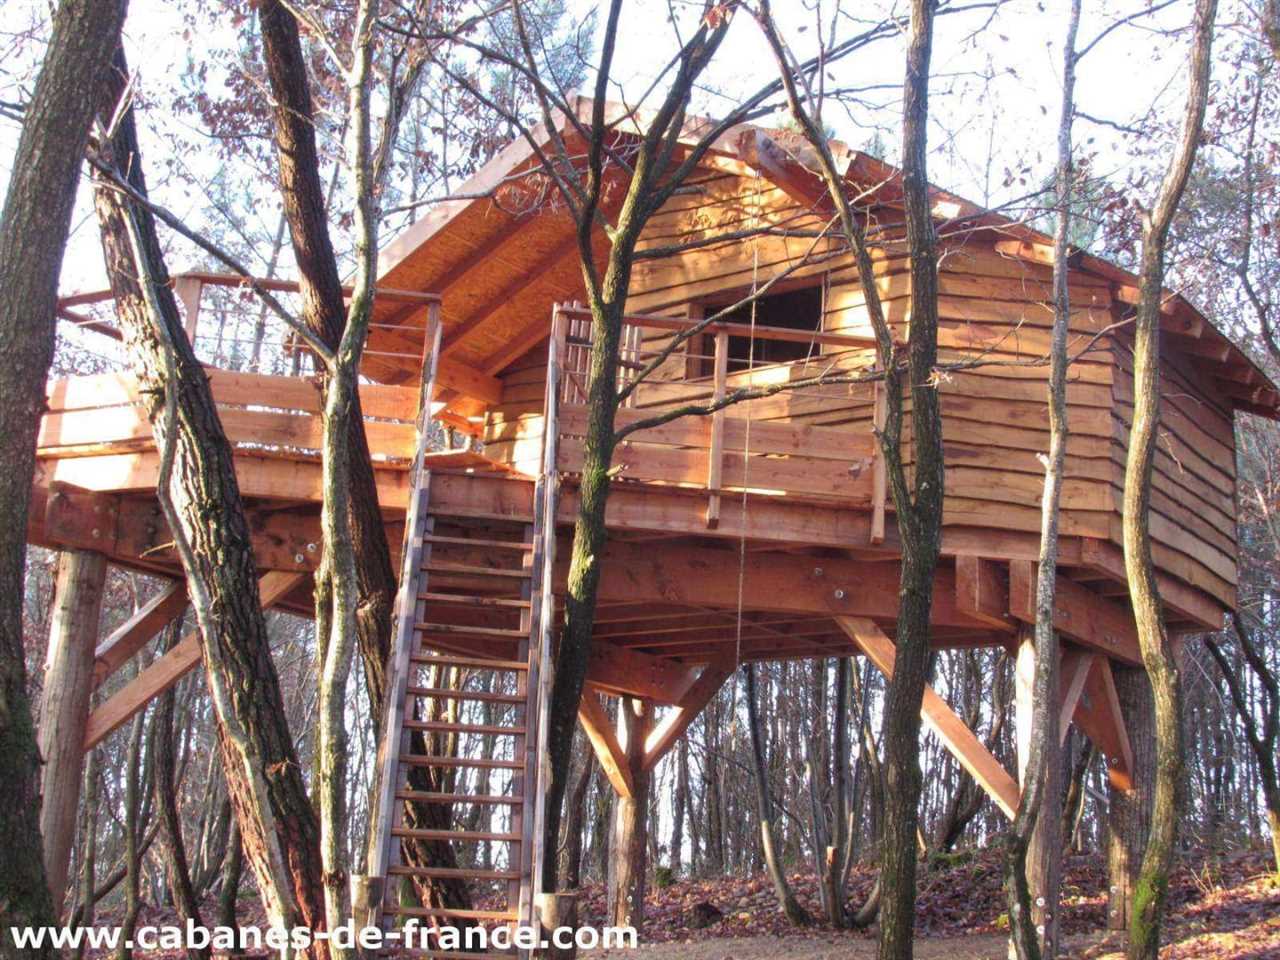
(1221, 907)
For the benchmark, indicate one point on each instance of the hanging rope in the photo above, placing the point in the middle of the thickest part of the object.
(746, 462)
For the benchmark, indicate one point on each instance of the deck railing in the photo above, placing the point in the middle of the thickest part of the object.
(809, 442)
(261, 376)
(231, 329)
(101, 415)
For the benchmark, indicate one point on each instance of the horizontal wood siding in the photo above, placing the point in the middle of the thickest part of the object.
(993, 308)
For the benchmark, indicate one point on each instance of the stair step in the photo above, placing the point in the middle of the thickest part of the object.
(423, 796)
(411, 833)
(442, 693)
(440, 726)
(455, 661)
(436, 566)
(459, 913)
(427, 760)
(471, 600)
(453, 873)
(494, 544)
(457, 629)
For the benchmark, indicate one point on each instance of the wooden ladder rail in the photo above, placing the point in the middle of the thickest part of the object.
(393, 743)
(542, 625)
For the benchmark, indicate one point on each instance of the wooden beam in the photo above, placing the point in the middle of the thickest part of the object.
(613, 759)
(467, 380)
(134, 528)
(1076, 664)
(982, 592)
(172, 667)
(672, 728)
(137, 631)
(1079, 613)
(1098, 715)
(614, 669)
(950, 729)
(771, 580)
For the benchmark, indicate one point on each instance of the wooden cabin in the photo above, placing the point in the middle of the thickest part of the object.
(760, 532)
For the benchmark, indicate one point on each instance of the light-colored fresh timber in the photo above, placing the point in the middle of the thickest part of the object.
(599, 730)
(664, 736)
(64, 704)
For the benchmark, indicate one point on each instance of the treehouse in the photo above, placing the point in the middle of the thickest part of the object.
(758, 532)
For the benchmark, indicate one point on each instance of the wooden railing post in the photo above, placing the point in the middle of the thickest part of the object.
(879, 479)
(715, 457)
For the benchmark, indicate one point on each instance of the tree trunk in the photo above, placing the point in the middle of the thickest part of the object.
(679, 804)
(1129, 813)
(1264, 740)
(1036, 858)
(163, 744)
(324, 313)
(88, 845)
(787, 901)
(33, 233)
(64, 708)
(136, 773)
(1034, 845)
(264, 779)
(232, 870)
(631, 821)
(1073, 800)
(577, 817)
(919, 513)
(1158, 653)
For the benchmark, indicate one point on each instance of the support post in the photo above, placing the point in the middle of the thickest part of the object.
(879, 476)
(1044, 854)
(1129, 811)
(631, 819)
(188, 290)
(64, 704)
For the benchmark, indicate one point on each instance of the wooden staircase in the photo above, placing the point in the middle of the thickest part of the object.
(458, 806)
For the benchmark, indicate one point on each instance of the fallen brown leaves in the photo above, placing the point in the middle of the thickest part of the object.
(1222, 907)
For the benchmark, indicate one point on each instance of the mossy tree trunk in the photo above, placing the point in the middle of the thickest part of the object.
(1158, 653)
(917, 502)
(206, 515)
(33, 234)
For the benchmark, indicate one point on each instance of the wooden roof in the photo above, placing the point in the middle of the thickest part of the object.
(503, 250)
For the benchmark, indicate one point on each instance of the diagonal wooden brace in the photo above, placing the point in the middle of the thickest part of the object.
(950, 729)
